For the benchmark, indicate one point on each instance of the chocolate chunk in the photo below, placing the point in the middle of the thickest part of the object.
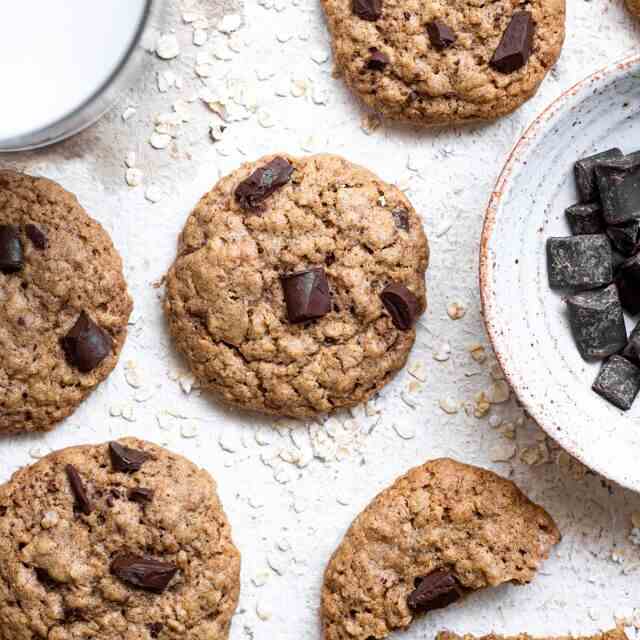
(377, 60)
(37, 236)
(155, 628)
(143, 572)
(401, 218)
(11, 254)
(579, 262)
(141, 495)
(83, 504)
(515, 46)
(437, 590)
(625, 237)
(628, 281)
(585, 219)
(619, 186)
(369, 10)
(618, 382)
(597, 322)
(86, 345)
(125, 459)
(306, 294)
(440, 35)
(632, 350)
(401, 304)
(585, 172)
(262, 183)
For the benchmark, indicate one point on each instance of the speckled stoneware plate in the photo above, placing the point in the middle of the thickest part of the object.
(526, 320)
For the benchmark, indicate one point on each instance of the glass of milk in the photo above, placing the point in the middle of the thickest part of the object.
(63, 63)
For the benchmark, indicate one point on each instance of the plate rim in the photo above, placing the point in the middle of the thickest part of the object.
(538, 126)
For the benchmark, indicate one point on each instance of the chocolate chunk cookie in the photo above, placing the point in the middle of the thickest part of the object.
(117, 541)
(439, 532)
(64, 303)
(444, 61)
(634, 7)
(614, 634)
(298, 284)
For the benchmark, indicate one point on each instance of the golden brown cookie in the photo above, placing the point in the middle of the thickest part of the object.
(614, 634)
(297, 285)
(64, 303)
(439, 532)
(445, 61)
(121, 541)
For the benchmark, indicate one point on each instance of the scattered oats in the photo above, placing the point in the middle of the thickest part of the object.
(216, 131)
(200, 37)
(132, 376)
(228, 441)
(282, 87)
(343, 499)
(403, 183)
(128, 113)
(282, 476)
(221, 51)
(499, 392)
(495, 421)
(264, 72)
(127, 413)
(319, 95)
(496, 371)
(310, 143)
(284, 35)
(502, 451)
(263, 611)
(224, 149)
(133, 177)
(189, 430)
(187, 382)
(153, 194)
(167, 46)
(408, 400)
(142, 395)
(415, 161)
(182, 109)
(442, 353)
(416, 370)
(230, 23)
(49, 520)
(261, 578)
(160, 140)
(115, 411)
(320, 56)
(370, 409)
(255, 502)
(299, 505)
(443, 228)
(278, 563)
(448, 405)
(37, 452)
(482, 405)
(370, 122)
(265, 119)
(299, 87)
(456, 311)
(235, 43)
(203, 70)
(478, 353)
(405, 431)
(263, 436)
(166, 80)
(130, 159)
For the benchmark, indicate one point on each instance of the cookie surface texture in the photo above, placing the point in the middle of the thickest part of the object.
(441, 531)
(121, 541)
(297, 285)
(64, 300)
(445, 61)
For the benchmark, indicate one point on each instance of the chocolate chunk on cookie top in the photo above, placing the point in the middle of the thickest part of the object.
(307, 304)
(263, 182)
(95, 562)
(445, 62)
(126, 459)
(64, 300)
(441, 531)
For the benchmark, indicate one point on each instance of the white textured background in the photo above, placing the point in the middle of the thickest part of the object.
(289, 489)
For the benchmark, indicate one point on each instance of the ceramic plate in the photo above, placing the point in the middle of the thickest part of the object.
(526, 320)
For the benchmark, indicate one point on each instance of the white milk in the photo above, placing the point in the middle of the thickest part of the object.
(55, 55)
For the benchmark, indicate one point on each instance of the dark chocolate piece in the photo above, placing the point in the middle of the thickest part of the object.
(86, 345)
(585, 219)
(597, 322)
(632, 350)
(401, 218)
(155, 628)
(262, 183)
(369, 10)
(306, 294)
(628, 281)
(146, 573)
(440, 35)
(437, 590)
(141, 495)
(585, 172)
(126, 459)
(514, 48)
(625, 237)
(83, 504)
(619, 186)
(11, 253)
(618, 382)
(579, 262)
(401, 304)
(37, 236)
(377, 60)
